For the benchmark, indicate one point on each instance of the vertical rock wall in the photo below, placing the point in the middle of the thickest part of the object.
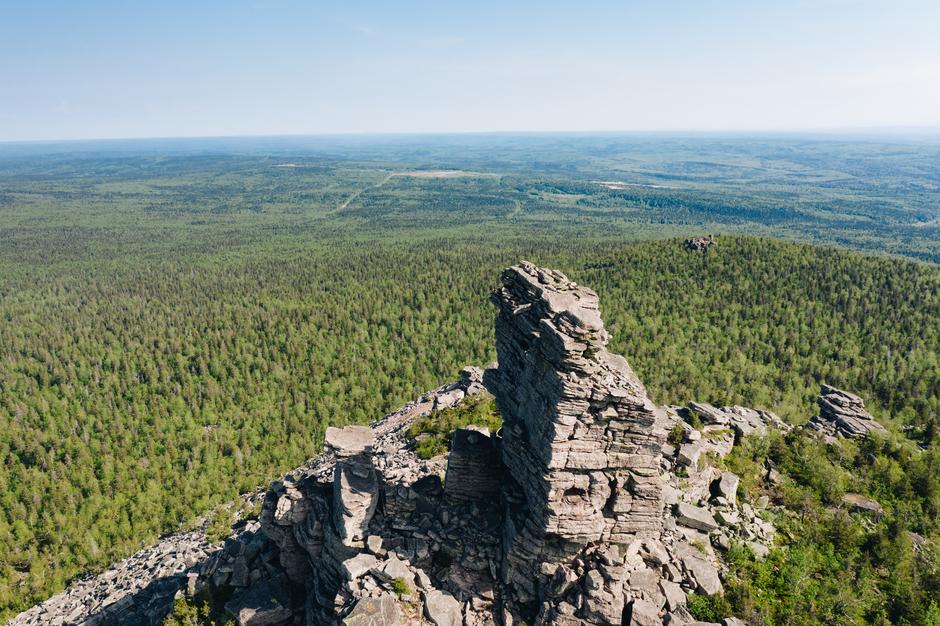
(579, 447)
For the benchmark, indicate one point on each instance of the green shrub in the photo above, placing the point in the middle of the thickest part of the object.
(709, 608)
(477, 410)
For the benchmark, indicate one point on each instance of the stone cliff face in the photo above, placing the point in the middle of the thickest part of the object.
(576, 512)
(579, 444)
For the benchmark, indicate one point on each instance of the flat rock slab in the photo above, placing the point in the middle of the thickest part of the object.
(350, 440)
(695, 517)
(643, 613)
(381, 611)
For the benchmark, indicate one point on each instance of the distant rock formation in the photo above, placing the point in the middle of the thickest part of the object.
(842, 413)
(577, 512)
(700, 244)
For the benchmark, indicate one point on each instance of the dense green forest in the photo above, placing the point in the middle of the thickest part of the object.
(175, 330)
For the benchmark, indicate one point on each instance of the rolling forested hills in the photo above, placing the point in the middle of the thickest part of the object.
(179, 324)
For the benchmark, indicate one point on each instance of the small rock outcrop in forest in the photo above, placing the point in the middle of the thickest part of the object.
(842, 413)
(700, 244)
(578, 511)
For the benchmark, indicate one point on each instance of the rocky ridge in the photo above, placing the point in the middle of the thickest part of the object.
(590, 506)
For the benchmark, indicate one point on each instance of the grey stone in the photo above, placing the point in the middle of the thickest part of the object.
(394, 569)
(643, 613)
(860, 504)
(727, 486)
(264, 603)
(675, 596)
(381, 611)
(374, 545)
(704, 573)
(842, 413)
(349, 441)
(358, 565)
(689, 453)
(695, 517)
(442, 609)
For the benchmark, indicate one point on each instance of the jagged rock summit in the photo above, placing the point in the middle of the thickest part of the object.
(580, 447)
(577, 512)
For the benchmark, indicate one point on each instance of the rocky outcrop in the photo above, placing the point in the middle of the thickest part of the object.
(580, 448)
(842, 413)
(700, 244)
(576, 512)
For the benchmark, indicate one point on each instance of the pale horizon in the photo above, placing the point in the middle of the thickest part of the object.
(105, 70)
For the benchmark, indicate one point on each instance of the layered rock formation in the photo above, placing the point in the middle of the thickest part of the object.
(576, 512)
(842, 413)
(579, 445)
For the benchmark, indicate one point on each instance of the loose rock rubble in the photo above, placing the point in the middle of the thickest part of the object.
(842, 413)
(577, 512)
(138, 590)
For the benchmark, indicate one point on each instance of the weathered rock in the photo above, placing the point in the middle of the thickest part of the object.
(709, 414)
(579, 442)
(860, 504)
(358, 565)
(356, 488)
(263, 604)
(473, 468)
(689, 453)
(394, 569)
(557, 519)
(704, 573)
(675, 596)
(442, 609)
(842, 413)
(643, 613)
(381, 611)
(727, 486)
(700, 244)
(695, 517)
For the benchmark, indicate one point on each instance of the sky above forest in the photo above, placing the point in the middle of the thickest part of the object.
(110, 69)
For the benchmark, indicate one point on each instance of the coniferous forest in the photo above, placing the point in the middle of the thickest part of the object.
(178, 329)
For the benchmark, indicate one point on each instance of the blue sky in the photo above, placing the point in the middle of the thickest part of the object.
(97, 69)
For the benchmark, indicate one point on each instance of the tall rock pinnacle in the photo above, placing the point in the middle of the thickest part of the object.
(578, 444)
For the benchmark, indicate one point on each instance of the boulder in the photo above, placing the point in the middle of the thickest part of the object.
(643, 613)
(358, 565)
(442, 609)
(381, 611)
(860, 504)
(727, 486)
(695, 517)
(689, 453)
(704, 573)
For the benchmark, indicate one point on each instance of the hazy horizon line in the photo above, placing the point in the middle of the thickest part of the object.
(890, 130)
